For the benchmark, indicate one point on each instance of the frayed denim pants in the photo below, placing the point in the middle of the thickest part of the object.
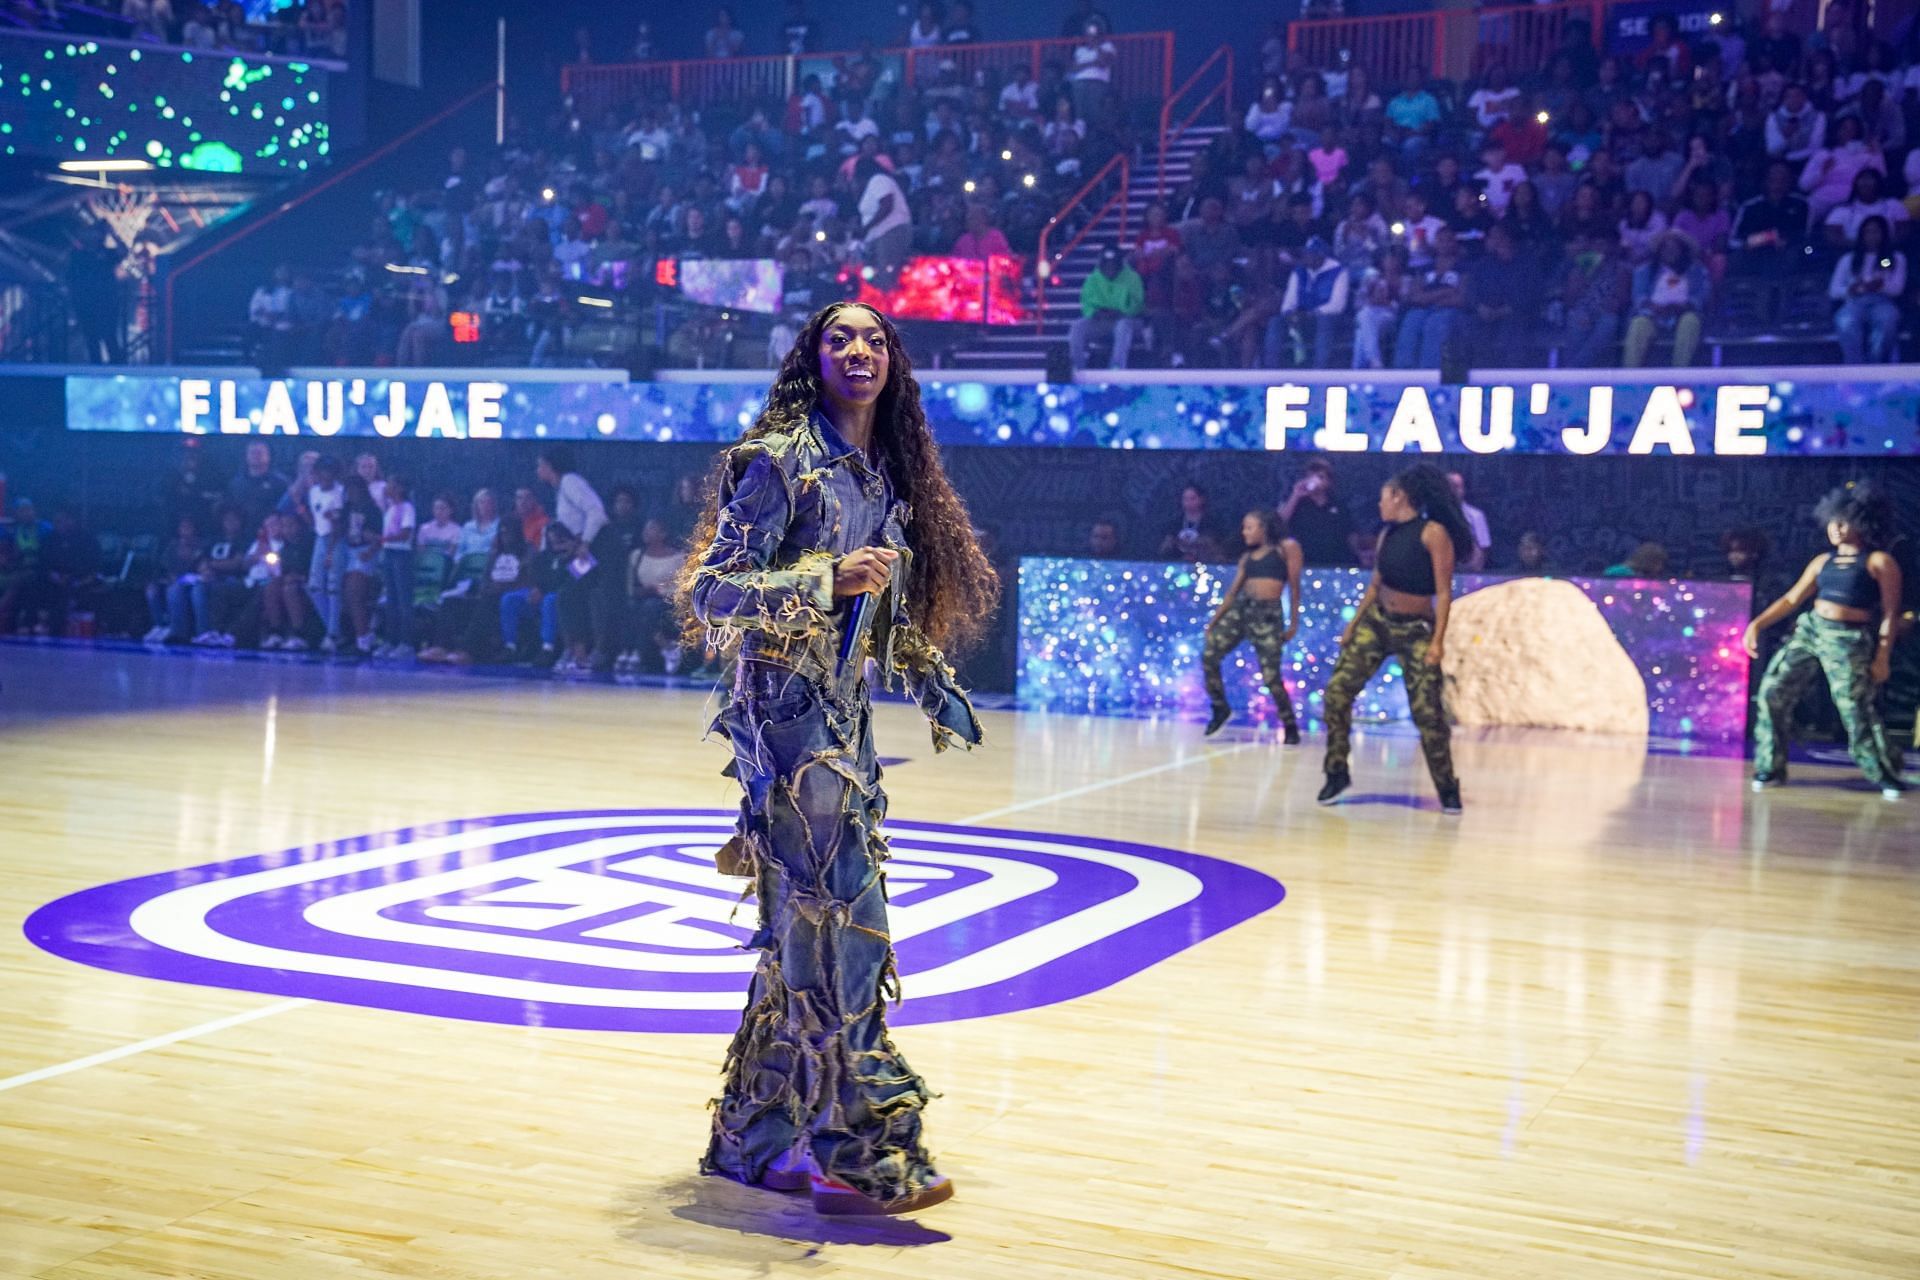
(811, 1069)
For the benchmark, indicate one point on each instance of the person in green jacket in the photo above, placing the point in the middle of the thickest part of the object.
(1110, 303)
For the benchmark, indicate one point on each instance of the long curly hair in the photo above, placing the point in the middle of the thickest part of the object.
(1427, 489)
(952, 591)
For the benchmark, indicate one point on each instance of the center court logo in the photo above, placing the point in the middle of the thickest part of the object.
(617, 920)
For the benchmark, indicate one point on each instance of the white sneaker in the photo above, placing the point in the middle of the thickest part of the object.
(400, 652)
(296, 644)
(329, 645)
(207, 639)
(364, 643)
(154, 635)
(225, 640)
(274, 642)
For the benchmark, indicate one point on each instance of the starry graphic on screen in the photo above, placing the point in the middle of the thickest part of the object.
(618, 920)
(174, 108)
(1113, 637)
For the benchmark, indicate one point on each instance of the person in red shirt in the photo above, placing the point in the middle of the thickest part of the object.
(1523, 133)
(1153, 252)
(593, 218)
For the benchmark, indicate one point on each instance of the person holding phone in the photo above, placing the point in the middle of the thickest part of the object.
(836, 492)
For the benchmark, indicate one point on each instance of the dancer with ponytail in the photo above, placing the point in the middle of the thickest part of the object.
(835, 493)
(1403, 614)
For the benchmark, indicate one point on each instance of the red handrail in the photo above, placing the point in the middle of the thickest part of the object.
(687, 79)
(1043, 264)
(333, 179)
(1224, 89)
(1388, 43)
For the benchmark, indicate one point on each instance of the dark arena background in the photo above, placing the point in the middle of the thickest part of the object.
(359, 838)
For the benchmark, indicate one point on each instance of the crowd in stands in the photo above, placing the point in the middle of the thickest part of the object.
(341, 558)
(1595, 210)
(857, 171)
(1600, 209)
(309, 28)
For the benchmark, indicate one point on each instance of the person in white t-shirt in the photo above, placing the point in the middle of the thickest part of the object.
(1498, 176)
(886, 223)
(325, 498)
(652, 572)
(1091, 77)
(1493, 101)
(1476, 521)
(1843, 224)
(1020, 96)
(397, 528)
(442, 533)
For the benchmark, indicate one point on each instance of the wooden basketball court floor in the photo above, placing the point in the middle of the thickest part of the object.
(1622, 1019)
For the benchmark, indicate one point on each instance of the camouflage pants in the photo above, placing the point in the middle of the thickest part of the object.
(1376, 635)
(1263, 622)
(1844, 654)
(812, 1069)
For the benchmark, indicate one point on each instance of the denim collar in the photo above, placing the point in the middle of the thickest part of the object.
(836, 445)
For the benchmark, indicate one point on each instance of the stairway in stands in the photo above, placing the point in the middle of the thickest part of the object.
(1024, 346)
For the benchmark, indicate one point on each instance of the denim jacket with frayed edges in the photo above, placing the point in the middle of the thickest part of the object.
(792, 503)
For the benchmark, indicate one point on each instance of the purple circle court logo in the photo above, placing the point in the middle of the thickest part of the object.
(617, 920)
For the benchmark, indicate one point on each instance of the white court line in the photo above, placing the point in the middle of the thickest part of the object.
(157, 1042)
(281, 1006)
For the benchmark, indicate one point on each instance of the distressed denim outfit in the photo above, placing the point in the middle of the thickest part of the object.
(812, 1071)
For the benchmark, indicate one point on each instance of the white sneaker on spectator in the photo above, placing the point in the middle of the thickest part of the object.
(207, 639)
(296, 644)
(364, 643)
(154, 635)
(400, 652)
(329, 645)
(273, 642)
(226, 640)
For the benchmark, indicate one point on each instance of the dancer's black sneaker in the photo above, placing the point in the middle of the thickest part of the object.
(1450, 800)
(1218, 720)
(1292, 735)
(1336, 784)
(1767, 779)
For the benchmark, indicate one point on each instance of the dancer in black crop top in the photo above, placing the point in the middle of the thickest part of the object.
(1847, 636)
(1403, 614)
(1262, 604)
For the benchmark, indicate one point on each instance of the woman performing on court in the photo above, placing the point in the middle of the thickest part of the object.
(1403, 613)
(1852, 587)
(833, 537)
(1253, 610)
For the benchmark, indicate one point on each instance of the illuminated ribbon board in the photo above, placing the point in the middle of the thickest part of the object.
(1739, 414)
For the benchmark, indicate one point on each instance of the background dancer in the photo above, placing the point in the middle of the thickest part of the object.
(1403, 613)
(836, 492)
(1252, 609)
(1851, 586)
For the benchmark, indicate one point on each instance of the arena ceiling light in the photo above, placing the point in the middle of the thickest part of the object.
(93, 173)
(104, 165)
